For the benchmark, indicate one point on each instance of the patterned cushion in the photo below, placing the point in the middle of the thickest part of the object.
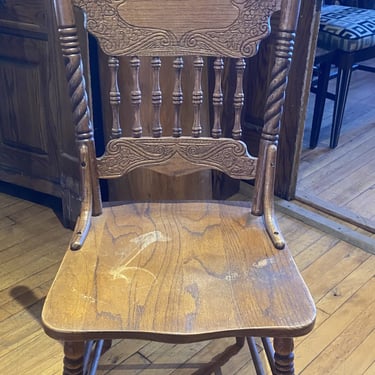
(346, 28)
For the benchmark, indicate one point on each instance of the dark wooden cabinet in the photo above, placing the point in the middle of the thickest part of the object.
(36, 137)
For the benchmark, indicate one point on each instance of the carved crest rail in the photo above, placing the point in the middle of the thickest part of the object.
(226, 155)
(234, 28)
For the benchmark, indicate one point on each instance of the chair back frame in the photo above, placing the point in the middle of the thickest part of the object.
(222, 28)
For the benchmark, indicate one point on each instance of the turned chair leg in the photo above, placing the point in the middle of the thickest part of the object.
(94, 349)
(284, 356)
(320, 100)
(342, 89)
(73, 358)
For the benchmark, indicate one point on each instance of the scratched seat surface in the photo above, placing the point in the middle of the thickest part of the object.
(157, 268)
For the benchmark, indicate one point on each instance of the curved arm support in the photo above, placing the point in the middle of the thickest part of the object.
(269, 214)
(82, 226)
(71, 51)
(274, 109)
(284, 44)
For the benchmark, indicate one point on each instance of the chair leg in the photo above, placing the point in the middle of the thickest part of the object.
(258, 365)
(284, 356)
(270, 353)
(73, 358)
(342, 88)
(320, 100)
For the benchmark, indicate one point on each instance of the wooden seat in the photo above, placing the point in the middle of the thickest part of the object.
(178, 271)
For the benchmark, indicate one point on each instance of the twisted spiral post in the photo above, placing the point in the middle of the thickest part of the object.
(276, 96)
(274, 107)
(80, 110)
(76, 82)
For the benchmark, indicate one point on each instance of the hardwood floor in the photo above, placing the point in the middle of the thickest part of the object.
(340, 276)
(342, 180)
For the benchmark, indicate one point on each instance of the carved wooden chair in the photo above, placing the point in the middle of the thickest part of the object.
(180, 271)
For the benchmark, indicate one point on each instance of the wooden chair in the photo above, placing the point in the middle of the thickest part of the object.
(180, 271)
(347, 35)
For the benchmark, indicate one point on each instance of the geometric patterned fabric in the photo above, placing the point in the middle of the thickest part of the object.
(346, 28)
(368, 4)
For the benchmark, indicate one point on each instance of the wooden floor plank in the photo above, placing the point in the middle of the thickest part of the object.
(26, 299)
(332, 166)
(302, 238)
(248, 367)
(45, 245)
(360, 359)
(315, 251)
(345, 344)
(331, 175)
(9, 200)
(338, 295)
(13, 264)
(361, 203)
(323, 160)
(349, 192)
(336, 325)
(335, 265)
(169, 359)
(370, 370)
(338, 228)
(120, 351)
(27, 229)
(7, 212)
(21, 273)
(321, 317)
(240, 360)
(19, 330)
(29, 363)
(132, 365)
(30, 283)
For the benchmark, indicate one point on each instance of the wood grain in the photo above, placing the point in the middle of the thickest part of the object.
(149, 247)
(177, 265)
(179, 28)
(25, 344)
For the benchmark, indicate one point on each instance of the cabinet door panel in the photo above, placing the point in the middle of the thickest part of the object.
(37, 147)
(24, 119)
(28, 15)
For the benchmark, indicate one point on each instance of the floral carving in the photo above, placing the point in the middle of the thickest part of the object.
(236, 38)
(227, 155)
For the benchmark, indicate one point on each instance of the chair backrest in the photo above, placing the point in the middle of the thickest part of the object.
(220, 29)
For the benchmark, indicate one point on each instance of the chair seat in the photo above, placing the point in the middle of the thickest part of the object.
(227, 277)
(346, 28)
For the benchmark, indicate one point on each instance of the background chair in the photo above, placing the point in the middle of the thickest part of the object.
(346, 38)
(177, 271)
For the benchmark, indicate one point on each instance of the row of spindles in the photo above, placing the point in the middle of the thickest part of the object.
(177, 97)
